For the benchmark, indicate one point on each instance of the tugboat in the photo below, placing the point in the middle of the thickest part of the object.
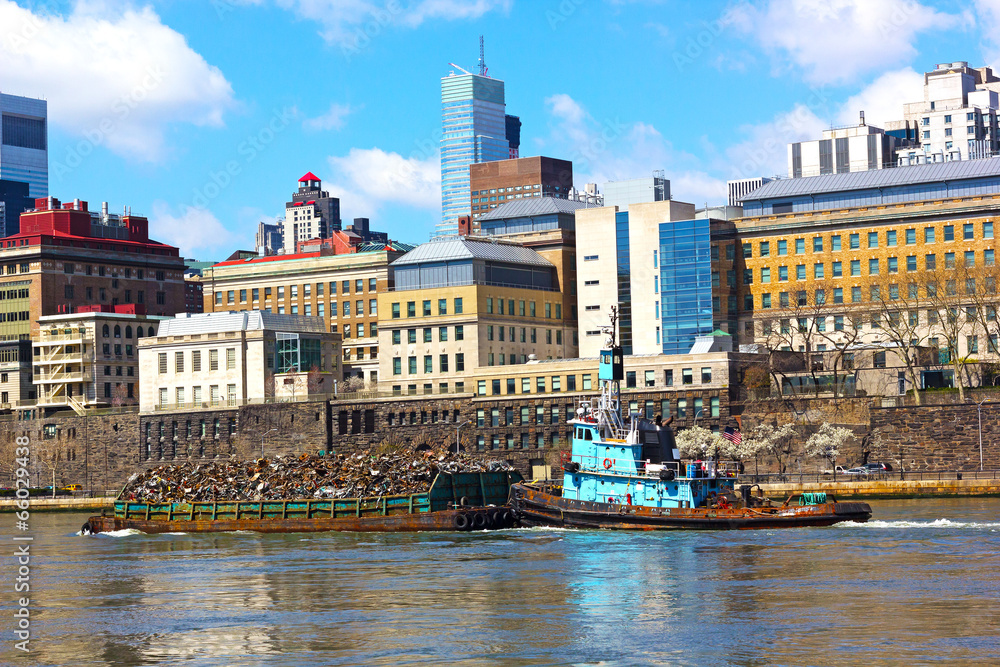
(629, 476)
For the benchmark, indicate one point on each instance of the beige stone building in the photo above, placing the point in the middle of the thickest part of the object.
(234, 358)
(90, 359)
(15, 374)
(461, 303)
(342, 289)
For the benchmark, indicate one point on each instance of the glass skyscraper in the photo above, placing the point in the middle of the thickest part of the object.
(24, 149)
(473, 130)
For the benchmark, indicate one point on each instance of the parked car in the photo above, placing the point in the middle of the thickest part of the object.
(857, 471)
(878, 467)
(840, 470)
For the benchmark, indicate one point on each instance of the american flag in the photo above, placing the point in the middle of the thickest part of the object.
(732, 435)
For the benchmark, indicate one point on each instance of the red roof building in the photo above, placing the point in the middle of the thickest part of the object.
(67, 257)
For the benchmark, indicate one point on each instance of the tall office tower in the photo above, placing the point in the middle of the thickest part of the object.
(513, 130)
(312, 213)
(268, 240)
(24, 155)
(473, 130)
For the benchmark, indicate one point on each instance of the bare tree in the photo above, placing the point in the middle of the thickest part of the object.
(895, 314)
(947, 293)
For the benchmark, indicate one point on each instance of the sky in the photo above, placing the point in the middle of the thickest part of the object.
(203, 114)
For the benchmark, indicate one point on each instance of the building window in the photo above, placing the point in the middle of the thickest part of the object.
(213, 360)
(161, 362)
(706, 375)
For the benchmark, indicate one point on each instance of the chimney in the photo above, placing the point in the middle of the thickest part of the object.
(862, 117)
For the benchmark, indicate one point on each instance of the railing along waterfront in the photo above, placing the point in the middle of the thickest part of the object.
(892, 475)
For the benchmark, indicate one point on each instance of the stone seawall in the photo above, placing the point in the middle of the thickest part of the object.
(889, 488)
(101, 452)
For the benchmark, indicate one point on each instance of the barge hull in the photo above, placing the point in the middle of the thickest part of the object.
(423, 521)
(536, 507)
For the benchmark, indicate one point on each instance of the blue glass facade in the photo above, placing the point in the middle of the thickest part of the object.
(473, 130)
(624, 282)
(685, 283)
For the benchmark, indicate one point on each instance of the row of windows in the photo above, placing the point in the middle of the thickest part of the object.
(535, 186)
(554, 415)
(874, 266)
(69, 292)
(106, 348)
(254, 297)
(893, 292)
(180, 396)
(428, 364)
(106, 331)
(196, 359)
(428, 334)
(524, 308)
(912, 319)
(199, 429)
(12, 294)
(70, 268)
(890, 238)
(442, 308)
(505, 334)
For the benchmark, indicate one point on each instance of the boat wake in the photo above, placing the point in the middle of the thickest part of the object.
(937, 523)
(127, 532)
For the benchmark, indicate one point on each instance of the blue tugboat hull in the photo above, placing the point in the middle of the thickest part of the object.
(542, 505)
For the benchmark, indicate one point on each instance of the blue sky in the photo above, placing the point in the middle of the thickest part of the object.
(202, 114)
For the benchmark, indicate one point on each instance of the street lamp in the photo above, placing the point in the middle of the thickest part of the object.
(457, 429)
(262, 441)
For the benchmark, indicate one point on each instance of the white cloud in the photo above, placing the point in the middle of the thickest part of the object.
(117, 77)
(836, 41)
(611, 150)
(883, 99)
(356, 22)
(333, 119)
(196, 231)
(988, 12)
(369, 178)
(763, 150)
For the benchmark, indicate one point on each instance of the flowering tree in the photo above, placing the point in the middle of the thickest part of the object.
(698, 443)
(826, 443)
(776, 441)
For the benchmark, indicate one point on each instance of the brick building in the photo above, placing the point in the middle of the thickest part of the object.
(66, 256)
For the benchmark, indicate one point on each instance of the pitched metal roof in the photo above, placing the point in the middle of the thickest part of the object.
(248, 320)
(877, 178)
(452, 248)
(521, 208)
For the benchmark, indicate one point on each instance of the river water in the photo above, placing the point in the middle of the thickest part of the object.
(919, 583)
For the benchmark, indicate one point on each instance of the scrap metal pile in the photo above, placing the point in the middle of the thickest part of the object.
(306, 476)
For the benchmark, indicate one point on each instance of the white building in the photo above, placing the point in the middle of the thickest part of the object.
(85, 360)
(956, 120)
(232, 358)
(740, 188)
(636, 190)
(599, 257)
(841, 150)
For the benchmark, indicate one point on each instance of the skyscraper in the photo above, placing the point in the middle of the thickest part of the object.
(24, 156)
(312, 213)
(473, 130)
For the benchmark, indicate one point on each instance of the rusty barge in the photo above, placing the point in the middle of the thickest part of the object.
(455, 502)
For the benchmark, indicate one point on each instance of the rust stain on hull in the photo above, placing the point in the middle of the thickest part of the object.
(536, 507)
